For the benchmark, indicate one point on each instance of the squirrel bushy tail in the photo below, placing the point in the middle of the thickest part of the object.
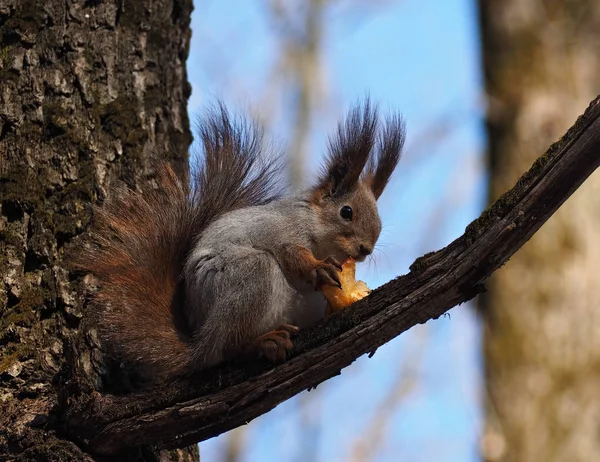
(141, 238)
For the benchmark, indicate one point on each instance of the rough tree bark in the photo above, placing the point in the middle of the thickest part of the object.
(542, 317)
(87, 90)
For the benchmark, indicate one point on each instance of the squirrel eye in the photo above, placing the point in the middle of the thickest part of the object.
(346, 212)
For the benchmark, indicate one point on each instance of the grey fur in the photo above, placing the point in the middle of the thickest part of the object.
(236, 288)
(237, 279)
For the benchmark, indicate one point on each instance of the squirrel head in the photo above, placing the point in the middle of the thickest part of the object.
(361, 159)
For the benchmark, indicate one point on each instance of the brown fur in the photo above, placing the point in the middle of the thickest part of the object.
(137, 261)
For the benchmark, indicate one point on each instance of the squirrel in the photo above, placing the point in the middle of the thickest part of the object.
(220, 265)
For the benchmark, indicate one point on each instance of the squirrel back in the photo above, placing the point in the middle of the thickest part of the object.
(140, 240)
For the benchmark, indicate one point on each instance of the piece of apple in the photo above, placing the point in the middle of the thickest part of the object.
(351, 291)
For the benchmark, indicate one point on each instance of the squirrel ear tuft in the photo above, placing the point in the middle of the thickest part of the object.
(389, 150)
(349, 151)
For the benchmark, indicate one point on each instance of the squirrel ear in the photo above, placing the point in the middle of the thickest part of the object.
(349, 151)
(389, 150)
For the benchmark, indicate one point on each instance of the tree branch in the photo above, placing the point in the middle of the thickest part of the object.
(196, 408)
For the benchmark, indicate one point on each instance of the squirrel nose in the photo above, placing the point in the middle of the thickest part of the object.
(364, 250)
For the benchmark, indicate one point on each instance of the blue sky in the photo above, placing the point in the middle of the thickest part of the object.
(420, 57)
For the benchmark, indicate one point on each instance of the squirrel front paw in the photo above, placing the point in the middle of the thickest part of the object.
(326, 272)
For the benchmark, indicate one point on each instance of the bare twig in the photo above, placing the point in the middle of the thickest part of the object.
(192, 409)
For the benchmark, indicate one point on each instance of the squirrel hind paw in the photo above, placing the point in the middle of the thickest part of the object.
(274, 345)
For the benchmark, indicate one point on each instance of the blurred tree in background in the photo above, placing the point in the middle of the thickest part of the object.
(542, 317)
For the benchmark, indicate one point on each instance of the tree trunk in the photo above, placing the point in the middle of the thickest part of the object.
(87, 91)
(541, 312)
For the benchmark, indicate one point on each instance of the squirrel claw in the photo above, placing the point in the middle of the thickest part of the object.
(325, 273)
